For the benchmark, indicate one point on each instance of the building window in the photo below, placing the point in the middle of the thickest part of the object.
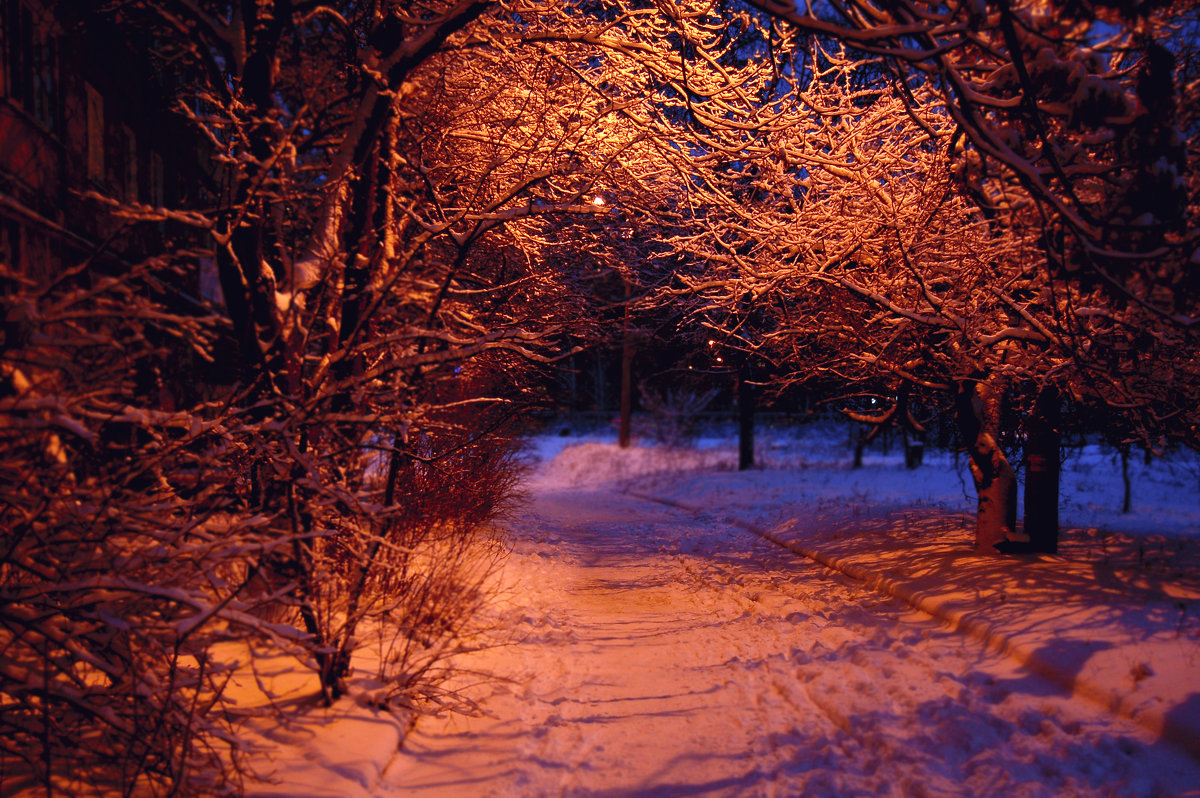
(18, 50)
(30, 61)
(95, 134)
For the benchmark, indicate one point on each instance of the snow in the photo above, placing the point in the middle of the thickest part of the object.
(338, 752)
(294, 746)
(649, 641)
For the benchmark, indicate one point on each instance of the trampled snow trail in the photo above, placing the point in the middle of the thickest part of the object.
(656, 653)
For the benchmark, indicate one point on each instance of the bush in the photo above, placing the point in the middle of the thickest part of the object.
(156, 528)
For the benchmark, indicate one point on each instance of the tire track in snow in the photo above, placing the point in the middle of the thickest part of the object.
(664, 653)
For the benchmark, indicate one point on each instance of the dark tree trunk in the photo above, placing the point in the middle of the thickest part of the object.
(977, 411)
(914, 449)
(745, 394)
(572, 375)
(624, 434)
(247, 279)
(913, 430)
(1042, 472)
(626, 420)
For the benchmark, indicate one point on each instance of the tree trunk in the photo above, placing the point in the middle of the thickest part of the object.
(745, 394)
(977, 411)
(1042, 472)
(914, 450)
(573, 384)
(624, 434)
(626, 376)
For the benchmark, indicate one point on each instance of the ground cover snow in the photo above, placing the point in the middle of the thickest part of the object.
(643, 648)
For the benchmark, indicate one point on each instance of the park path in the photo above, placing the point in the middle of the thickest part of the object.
(648, 651)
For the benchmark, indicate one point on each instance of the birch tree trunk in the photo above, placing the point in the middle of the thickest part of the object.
(977, 408)
(625, 432)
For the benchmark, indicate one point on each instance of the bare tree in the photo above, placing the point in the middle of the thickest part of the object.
(308, 459)
(1078, 104)
(408, 207)
(881, 272)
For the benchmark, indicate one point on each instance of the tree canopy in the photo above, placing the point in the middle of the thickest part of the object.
(412, 208)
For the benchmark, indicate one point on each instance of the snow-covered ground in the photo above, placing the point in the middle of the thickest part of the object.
(644, 648)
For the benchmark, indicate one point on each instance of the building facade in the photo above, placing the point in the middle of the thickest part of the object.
(85, 126)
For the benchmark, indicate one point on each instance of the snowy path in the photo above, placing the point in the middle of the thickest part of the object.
(667, 655)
